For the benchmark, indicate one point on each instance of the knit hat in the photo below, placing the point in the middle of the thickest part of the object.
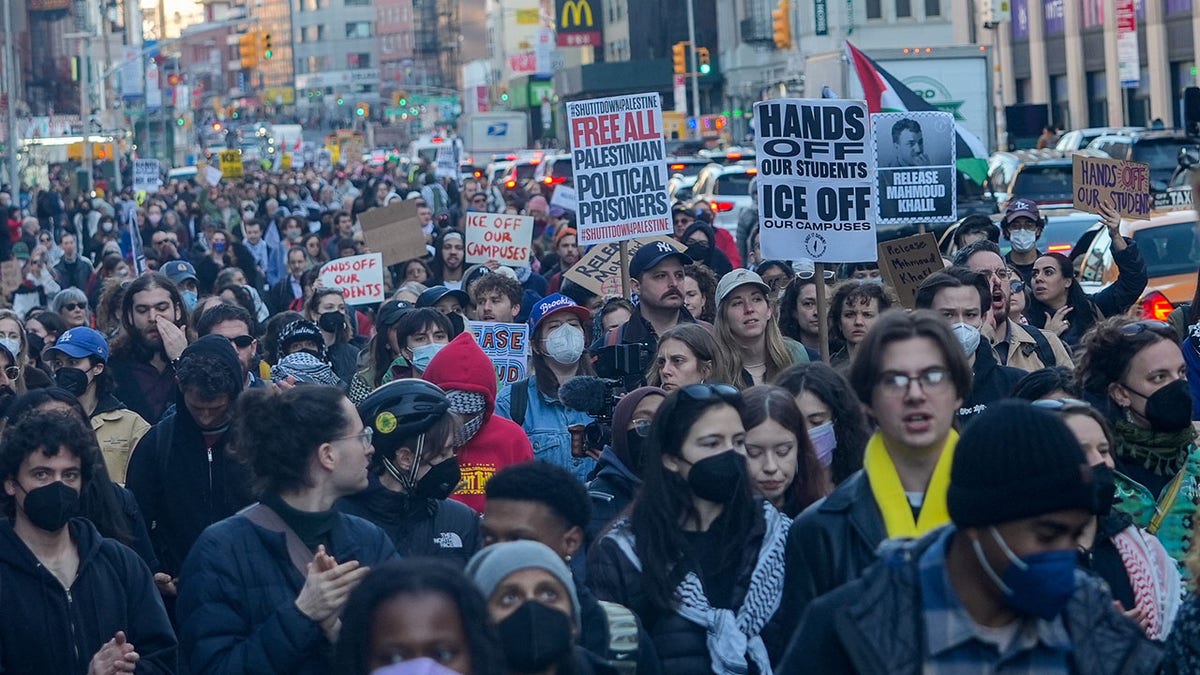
(492, 565)
(538, 203)
(1016, 461)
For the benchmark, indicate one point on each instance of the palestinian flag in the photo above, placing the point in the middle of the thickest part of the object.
(885, 93)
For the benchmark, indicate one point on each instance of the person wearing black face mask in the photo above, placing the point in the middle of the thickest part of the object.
(413, 471)
(1135, 373)
(327, 308)
(62, 581)
(618, 471)
(700, 240)
(699, 559)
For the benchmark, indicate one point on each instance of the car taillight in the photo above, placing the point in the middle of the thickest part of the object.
(721, 207)
(752, 172)
(1156, 306)
(733, 156)
(558, 180)
(510, 184)
(676, 167)
(1060, 248)
(548, 180)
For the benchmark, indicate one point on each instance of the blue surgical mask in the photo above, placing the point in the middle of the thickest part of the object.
(1039, 585)
(421, 356)
(189, 299)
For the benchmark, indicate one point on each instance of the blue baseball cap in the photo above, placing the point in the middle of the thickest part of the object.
(553, 304)
(179, 270)
(80, 342)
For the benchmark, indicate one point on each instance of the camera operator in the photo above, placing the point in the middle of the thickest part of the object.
(557, 354)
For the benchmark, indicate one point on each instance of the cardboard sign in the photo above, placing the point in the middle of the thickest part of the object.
(10, 276)
(394, 231)
(507, 345)
(496, 236)
(566, 197)
(905, 263)
(352, 152)
(620, 170)
(916, 180)
(599, 270)
(359, 276)
(146, 175)
(231, 164)
(815, 180)
(1116, 182)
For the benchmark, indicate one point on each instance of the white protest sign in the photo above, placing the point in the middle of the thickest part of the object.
(507, 345)
(566, 197)
(447, 166)
(815, 180)
(915, 181)
(359, 276)
(146, 175)
(212, 175)
(620, 171)
(500, 237)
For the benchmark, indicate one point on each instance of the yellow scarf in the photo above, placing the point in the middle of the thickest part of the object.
(889, 493)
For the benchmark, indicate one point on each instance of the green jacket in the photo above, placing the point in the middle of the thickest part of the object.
(1179, 499)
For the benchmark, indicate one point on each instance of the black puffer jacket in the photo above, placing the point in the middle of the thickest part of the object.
(990, 382)
(873, 625)
(611, 491)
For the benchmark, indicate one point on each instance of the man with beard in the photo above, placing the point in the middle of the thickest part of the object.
(566, 247)
(496, 297)
(233, 323)
(152, 338)
(1017, 345)
(448, 261)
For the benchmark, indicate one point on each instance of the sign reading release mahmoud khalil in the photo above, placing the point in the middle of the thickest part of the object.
(915, 179)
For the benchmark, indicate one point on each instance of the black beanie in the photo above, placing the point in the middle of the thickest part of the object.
(1015, 461)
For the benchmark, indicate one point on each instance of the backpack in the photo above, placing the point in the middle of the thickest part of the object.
(1045, 352)
(622, 653)
(520, 400)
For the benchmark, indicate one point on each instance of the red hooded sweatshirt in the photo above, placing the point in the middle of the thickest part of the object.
(462, 365)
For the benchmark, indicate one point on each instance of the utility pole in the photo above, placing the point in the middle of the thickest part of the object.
(10, 75)
(85, 107)
(695, 69)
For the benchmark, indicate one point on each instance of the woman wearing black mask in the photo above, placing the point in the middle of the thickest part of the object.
(700, 239)
(1135, 372)
(327, 308)
(700, 559)
(413, 472)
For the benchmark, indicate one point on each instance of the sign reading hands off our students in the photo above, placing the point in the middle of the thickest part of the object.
(815, 180)
(1116, 182)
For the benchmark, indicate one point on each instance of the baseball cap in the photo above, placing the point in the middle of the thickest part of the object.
(431, 296)
(179, 271)
(1022, 208)
(389, 313)
(739, 277)
(80, 342)
(557, 211)
(653, 253)
(553, 304)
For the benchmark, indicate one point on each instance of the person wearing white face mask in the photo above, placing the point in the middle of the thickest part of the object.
(557, 354)
(963, 298)
(1022, 226)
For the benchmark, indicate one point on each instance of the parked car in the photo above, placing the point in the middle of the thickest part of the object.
(683, 172)
(1078, 139)
(1159, 149)
(1041, 175)
(727, 188)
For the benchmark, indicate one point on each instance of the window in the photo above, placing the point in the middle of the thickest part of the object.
(933, 7)
(312, 33)
(903, 9)
(357, 3)
(360, 60)
(874, 9)
(358, 29)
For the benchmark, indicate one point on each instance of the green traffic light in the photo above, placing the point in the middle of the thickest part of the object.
(341, 100)
(705, 68)
(403, 101)
(179, 121)
(504, 96)
(359, 111)
(269, 54)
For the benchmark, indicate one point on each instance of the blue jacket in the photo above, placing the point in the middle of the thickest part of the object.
(546, 422)
(237, 592)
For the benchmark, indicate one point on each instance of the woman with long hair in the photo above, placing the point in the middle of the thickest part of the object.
(327, 308)
(699, 555)
(14, 339)
(747, 330)
(854, 308)
(700, 292)
(262, 591)
(798, 315)
(837, 426)
(779, 456)
(1059, 303)
(688, 354)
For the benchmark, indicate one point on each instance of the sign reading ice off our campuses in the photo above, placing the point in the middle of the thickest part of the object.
(498, 236)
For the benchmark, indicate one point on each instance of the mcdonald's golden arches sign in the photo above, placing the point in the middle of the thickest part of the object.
(578, 22)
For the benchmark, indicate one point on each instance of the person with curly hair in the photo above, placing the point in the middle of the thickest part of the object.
(700, 292)
(854, 308)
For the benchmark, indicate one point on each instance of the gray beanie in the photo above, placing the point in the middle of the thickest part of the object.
(493, 564)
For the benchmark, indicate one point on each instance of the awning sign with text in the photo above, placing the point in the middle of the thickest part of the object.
(359, 276)
(1116, 182)
(815, 180)
(500, 237)
(619, 168)
(916, 180)
(507, 345)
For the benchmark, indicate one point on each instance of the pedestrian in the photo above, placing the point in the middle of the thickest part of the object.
(153, 336)
(497, 297)
(837, 427)
(688, 354)
(447, 264)
(327, 308)
(699, 238)
(854, 308)
(15, 341)
(383, 349)
(235, 324)
(699, 292)
(1056, 382)
(747, 330)
(619, 469)
(262, 591)
(780, 461)
(1059, 303)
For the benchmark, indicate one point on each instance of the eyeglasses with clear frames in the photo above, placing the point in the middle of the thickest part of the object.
(366, 435)
(930, 380)
(1001, 273)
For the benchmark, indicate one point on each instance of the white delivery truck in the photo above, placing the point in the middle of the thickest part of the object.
(492, 133)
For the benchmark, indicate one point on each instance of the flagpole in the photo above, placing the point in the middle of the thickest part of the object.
(691, 18)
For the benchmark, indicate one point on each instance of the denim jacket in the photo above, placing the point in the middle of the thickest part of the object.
(546, 422)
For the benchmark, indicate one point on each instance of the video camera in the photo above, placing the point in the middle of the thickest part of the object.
(596, 396)
(627, 362)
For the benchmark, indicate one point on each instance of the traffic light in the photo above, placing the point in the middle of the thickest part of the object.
(341, 101)
(267, 51)
(362, 110)
(702, 56)
(216, 126)
(781, 24)
(679, 57)
(248, 50)
(179, 121)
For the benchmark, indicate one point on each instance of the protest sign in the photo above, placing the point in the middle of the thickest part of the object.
(507, 345)
(447, 165)
(394, 231)
(359, 276)
(10, 276)
(916, 180)
(599, 270)
(566, 197)
(906, 262)
(212, 175)
(146, 175)
(620, 172)
(815, 180)
(1116, 182)
(500, 237)
(231, 164)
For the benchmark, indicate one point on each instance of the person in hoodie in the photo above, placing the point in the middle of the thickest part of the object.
(181, 473)
(618, 471)
(700, 239)
(413, 472)
(486, 442)
(74, 601)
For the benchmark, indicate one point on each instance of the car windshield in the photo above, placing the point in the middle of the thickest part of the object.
(1044, 183)
(525, 171)
(735, 184)
(563, 168)
(1169, 249)
(1161, 154)
(1062, 232)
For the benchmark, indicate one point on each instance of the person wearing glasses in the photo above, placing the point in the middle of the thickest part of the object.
(1017, 344)
(72, 305)
(234, 323)
(699, 559)
(478, 203)
(747, 330)
(1134, 372)
(262, 591)
(912, 376)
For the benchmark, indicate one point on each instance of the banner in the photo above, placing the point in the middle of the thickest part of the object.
(500, 237)
(507, 345)
(815, 180)
(1129, 65)
(620, 168)
(146, 175)
(394, 231)
(446, 166)
(566, 197)
(905, 263)
(915, 181)
(1116, 182)
(359, 276)
(599, 270)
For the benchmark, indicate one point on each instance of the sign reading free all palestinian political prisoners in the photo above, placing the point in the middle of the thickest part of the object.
(815, 175)
(1116, 182)
(619, 168)
(507, 345)
(915, 181)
